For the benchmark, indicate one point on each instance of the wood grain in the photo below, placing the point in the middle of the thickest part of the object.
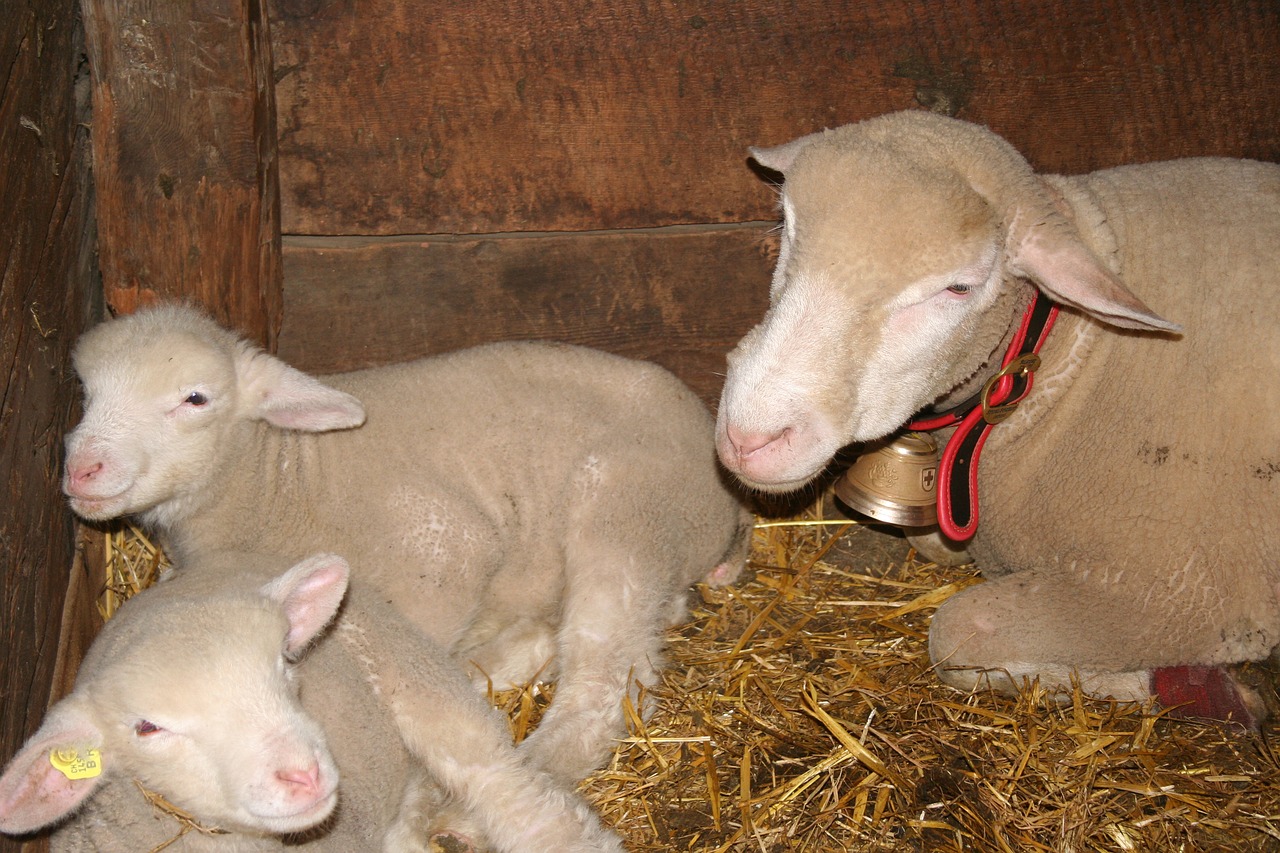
(46, 300)
(427, 117)
(678, 296)
(184, 154)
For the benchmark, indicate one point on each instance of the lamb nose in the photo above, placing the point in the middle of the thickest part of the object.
(748, 443)
(85, 472)
(308, 779)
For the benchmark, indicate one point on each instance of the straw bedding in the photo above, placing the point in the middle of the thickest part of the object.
(798, 713)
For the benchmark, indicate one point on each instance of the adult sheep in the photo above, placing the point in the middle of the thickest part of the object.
(516, 501)
(191, 692)
(1128, 506)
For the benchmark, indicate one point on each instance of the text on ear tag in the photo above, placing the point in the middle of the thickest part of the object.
(77, 764)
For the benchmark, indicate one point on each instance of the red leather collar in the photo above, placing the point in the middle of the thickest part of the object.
(975, 417)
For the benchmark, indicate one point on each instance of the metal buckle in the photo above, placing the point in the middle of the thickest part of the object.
(1023, 366)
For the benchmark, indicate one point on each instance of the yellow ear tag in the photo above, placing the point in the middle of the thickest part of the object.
(75, 764)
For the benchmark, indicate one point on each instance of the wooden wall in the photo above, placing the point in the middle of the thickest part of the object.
(184, 157)
(453, 172)
(46, 300)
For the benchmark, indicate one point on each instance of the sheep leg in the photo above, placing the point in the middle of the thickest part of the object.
(1065, 628)
(420, 800)
(1208, 692)
(465, 747)
(609, 647)
(520, 652)
(429, 820)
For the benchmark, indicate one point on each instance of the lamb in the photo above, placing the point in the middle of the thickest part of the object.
(190, 690)
(518, 502)
(1127, 508)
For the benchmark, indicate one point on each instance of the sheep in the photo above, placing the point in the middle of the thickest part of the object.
(1127, 507)
(518, 502)
(190, 691)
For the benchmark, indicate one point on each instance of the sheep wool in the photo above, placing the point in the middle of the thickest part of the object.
(191, 691)
(535, 509)
(1128, 506)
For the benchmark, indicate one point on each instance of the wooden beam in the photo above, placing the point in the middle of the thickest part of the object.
(560, 115)
(678, 296)
(184, 151)
(47, 297)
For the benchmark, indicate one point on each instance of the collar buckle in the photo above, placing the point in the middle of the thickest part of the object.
(1020, 372)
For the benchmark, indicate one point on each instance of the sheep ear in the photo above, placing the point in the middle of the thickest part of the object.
(310, 594)
(780, 157)
(290, 399)
(1052, 255)
(34, 793)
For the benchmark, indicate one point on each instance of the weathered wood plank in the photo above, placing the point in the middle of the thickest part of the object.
(681, 296)
(81, 620)
(424, 116)
(46, 300)
(184, 150)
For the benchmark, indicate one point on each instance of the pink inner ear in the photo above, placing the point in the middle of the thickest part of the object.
(310, 594)
(1069, 273)
(33, 793)
(295, 400)
(290, 399)
(310, 417)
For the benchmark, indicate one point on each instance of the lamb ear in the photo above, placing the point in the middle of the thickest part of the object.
(1051, 255)
(310, 594)
(34, 793)
(290, 399)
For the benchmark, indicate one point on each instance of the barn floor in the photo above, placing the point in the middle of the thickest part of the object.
(799, 714)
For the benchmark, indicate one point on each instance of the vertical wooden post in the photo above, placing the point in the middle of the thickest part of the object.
(185, 157)
(47, 298)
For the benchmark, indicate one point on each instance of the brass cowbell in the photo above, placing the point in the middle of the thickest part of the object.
(895, 481)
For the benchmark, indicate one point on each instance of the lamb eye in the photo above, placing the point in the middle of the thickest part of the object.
(960, 289)
(195, 398)
(145, 727)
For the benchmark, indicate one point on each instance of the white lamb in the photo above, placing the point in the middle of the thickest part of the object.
(190, 690)
(517, 501)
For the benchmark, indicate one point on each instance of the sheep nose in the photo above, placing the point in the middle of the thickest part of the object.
(84, 473)
(747, 443)
(306, 780)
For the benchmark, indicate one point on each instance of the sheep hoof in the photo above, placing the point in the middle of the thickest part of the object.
(450, 842)
(1209, 693)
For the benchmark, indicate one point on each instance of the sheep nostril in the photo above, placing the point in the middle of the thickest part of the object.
(81, 474)
(307, 779)
(747, 443)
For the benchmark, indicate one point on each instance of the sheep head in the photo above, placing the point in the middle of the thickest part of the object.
(165, 391)
(192, 696)
(908, 244)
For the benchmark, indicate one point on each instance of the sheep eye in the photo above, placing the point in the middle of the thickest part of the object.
(960, 289)
(145, 727)
(195, 398)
